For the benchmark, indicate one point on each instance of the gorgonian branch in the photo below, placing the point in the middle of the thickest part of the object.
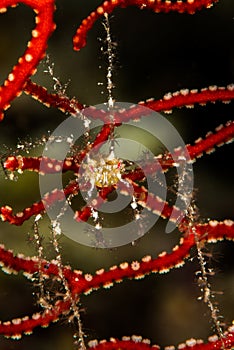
(138, 343)
(35, 51)
(59, 101)
(191, 6)
(183, 98)
(80, 283)
(223, 134)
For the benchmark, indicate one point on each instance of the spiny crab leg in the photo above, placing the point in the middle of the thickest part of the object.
(48, 166)
(223, 134)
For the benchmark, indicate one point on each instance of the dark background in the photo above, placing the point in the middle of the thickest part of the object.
(156, 53)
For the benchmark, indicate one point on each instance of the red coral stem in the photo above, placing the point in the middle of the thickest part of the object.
(79, 39)
(35, 51)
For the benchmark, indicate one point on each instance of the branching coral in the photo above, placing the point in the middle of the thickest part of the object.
(193, 233)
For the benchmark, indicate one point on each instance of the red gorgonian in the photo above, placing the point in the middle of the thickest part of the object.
(193, 233)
